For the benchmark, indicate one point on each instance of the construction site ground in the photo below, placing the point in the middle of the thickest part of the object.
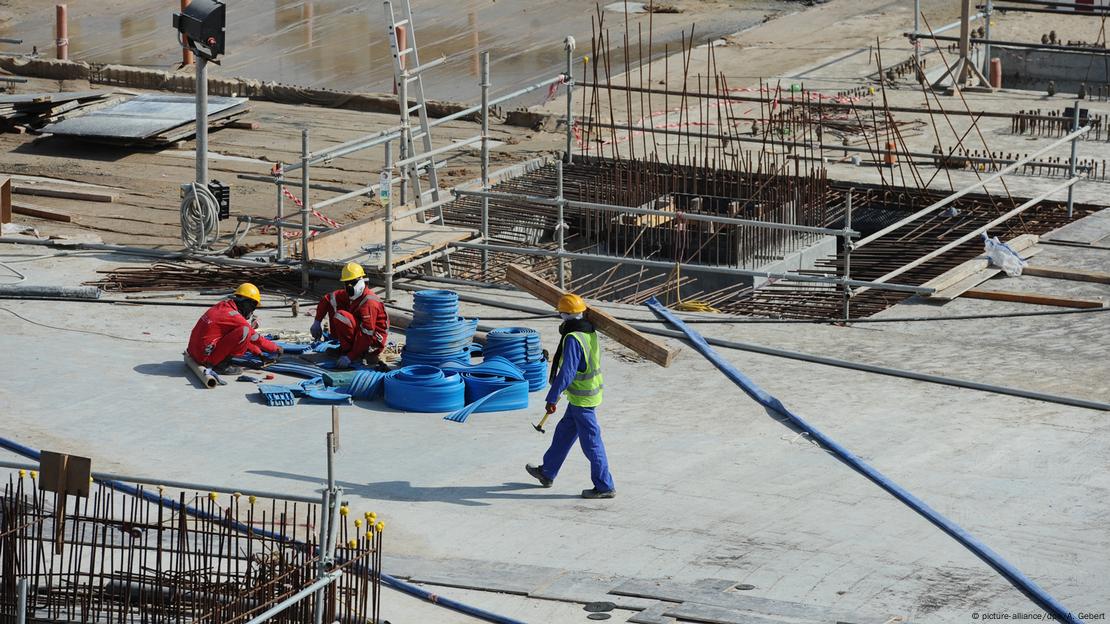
(709, 485)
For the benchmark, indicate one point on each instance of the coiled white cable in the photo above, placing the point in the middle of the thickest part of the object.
(200, 222)
(200, 218)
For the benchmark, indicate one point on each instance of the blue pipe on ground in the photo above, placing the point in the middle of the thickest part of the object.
(958, 533)
(387, 580)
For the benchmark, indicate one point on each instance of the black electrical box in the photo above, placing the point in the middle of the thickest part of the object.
(222, 193)
(202, 26)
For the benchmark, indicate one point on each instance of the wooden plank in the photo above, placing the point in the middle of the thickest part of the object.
(1034, 298)
(1065, 273)
(961, 272)
(547, 292)
(973, 280)
(32, 210)
(5, 200)
(344, 243)
(65, 194)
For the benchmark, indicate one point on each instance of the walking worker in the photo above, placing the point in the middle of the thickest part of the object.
(356, 316)
(226, 331)
(576, 371)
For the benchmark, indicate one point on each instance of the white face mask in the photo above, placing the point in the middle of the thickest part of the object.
(570, 317)
(359, 288)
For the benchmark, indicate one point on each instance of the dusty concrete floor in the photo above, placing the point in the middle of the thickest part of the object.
(708, 487)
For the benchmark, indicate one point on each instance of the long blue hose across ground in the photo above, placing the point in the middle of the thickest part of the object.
(958, 533)
(387, 580)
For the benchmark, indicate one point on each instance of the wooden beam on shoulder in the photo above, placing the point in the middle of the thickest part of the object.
(616, 329)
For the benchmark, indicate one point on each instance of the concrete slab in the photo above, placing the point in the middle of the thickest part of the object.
(709, 485)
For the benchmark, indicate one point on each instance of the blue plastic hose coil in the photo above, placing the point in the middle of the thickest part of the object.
(424, 389)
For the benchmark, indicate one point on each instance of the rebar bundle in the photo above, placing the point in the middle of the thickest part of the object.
(114, 557)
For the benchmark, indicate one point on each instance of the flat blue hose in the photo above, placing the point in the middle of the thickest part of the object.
(491, 366)
(361, 568)
(437, 333)
(424, 389)
(366, 385)
(501, 394)
(956, 532)
(521, 346)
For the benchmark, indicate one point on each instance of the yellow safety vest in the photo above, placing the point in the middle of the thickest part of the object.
(585, 389)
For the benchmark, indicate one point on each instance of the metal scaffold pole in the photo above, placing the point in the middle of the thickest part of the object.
(485, 84)
(304, 208)
(848, 255)
(560, 225)
(568, 45)
(385, 194)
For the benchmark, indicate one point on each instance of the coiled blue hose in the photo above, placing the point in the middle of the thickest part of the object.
(437, 333)
(955, 531)
(360, 568)
(424, 389)
(521, 346)
(504, 394)
(491, 366)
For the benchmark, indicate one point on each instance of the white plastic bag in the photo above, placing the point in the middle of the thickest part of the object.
(1002, 256)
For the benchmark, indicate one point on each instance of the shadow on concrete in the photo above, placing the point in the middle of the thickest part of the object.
(169, 368)
(404, 491)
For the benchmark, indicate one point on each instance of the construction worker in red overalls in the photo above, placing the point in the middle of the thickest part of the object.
(225, 331)
(356, 317)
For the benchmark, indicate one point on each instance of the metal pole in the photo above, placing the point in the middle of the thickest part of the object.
(987, 11)
(916, 31)
(202, 122)
(559, 225)
(403, 102)
(304, 207)
(848, 255)
(485, 84)
(387, 193)
(569, 46)
(186, 53)
(61, 31)
(280, 218)
(21, 602)
(1071, 162)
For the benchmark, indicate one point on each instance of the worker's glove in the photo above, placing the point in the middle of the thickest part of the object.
(254, 322)
(280, 350)
(343, 362)
(317, 331)
(551, 407)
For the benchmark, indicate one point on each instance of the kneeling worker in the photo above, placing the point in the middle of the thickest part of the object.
(357, 318)
(576, 370)
(225, 331)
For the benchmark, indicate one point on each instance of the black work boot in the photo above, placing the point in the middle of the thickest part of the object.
(537, 472)
(227, 368)
(593, 493)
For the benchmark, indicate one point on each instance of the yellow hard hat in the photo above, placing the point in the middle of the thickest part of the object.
(571, 303)
(250, 291)
(352, 271)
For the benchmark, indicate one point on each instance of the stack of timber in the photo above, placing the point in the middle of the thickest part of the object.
(29, 112)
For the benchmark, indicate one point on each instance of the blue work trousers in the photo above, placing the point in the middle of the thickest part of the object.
(580, 423)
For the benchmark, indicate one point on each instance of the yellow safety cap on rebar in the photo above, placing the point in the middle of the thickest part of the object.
(372, 515)
(252, 499)
(352, 544)
(358, 522)
(344, 510)
(586, 58)
(236, 495)
(22, 473)
(213, 496)
(34, 474)
(381, 527)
